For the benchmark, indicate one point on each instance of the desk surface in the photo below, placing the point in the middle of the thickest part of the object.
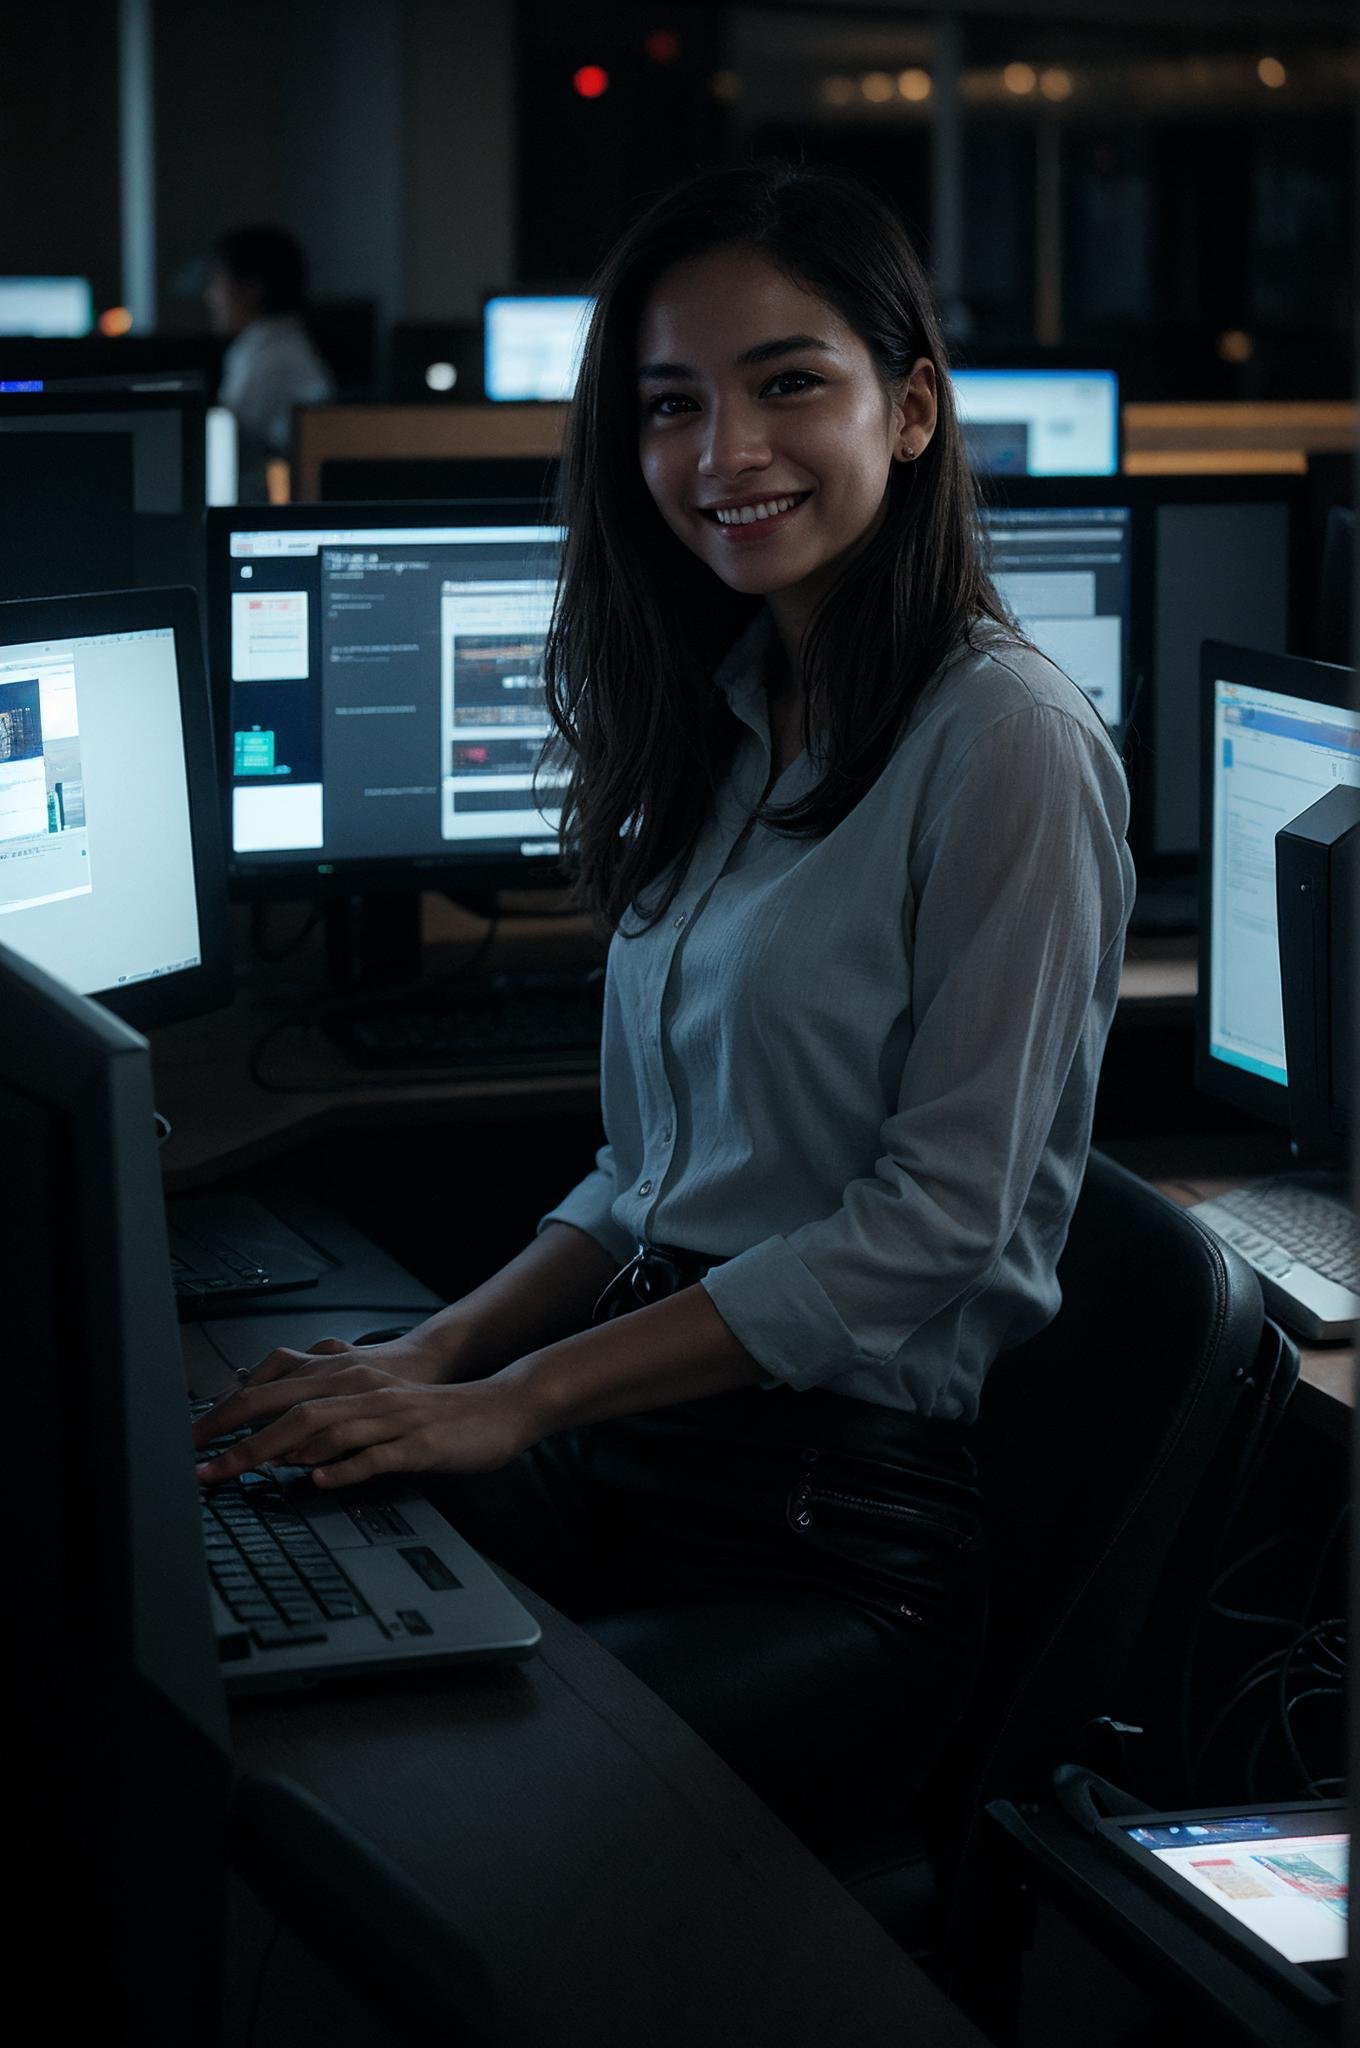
(620, 1883)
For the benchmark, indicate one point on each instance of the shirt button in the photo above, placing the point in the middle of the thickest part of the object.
(682, 919)
(646, 1188)
(666, 1135)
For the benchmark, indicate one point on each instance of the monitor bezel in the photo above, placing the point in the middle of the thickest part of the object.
(329, 881)
(191, 991)
(1290, 675)
(1136, 737)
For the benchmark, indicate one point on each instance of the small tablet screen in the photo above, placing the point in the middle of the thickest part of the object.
(1283, 1877)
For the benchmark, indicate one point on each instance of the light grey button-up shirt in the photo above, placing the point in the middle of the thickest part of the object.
(862, 1068)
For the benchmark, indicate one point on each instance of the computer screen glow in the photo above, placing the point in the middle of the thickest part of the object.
(96, 855)
(46, 305)
(1040, 422)
(533, 346)
(387, 697)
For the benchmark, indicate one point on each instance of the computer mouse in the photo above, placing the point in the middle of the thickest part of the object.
(385, 1336)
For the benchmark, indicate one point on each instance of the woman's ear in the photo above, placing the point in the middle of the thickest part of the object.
(915, 410)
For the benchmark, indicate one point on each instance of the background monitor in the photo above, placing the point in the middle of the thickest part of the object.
(533, 344)
(1176, 560)
(1040, 422)
(379, 692)
(111, 869)
(46, 305)
(1066, 571)
(118, 1816)
(1278, 733)
(100, 490)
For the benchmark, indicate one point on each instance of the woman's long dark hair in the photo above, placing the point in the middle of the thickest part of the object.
(641, 623)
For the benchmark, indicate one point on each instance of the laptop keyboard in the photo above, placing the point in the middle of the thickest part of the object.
(274, 1574)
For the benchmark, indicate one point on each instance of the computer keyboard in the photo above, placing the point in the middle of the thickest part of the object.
(547, 1020)
(276, 1577)
(1303, 1239)
(227, 1248)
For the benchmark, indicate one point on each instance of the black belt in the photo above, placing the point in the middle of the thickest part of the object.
(653, 1272)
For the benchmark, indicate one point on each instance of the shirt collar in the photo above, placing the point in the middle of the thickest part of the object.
(740, 675)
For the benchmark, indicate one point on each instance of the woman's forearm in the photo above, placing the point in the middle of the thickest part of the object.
(547, 1291)
(679, 1349)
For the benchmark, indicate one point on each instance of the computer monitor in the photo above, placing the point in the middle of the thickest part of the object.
(100, 490)
(1121, 579)
(1278, 734)
(116, 1812)
(46, 305)
(111, 869)
(379, 693)
(1039, 422)
(533, 343)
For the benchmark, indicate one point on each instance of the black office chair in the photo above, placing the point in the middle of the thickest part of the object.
(1111, 1448)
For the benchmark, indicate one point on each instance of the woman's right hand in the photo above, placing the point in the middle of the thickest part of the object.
(422, 1355)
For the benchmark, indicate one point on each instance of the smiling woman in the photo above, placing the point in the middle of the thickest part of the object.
(861, 851)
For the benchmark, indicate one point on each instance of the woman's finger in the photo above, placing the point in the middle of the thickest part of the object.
(396, 1455)
(285, 1424)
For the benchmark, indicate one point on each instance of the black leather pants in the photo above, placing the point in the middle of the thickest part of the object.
(800, 1575)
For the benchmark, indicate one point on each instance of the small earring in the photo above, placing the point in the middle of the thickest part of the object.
(907, 452)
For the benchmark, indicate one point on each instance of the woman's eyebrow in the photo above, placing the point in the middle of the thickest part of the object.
(763, 352)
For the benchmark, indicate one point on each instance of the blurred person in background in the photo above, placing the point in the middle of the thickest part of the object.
(255, 294)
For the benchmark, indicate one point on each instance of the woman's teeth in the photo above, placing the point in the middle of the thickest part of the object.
(746, 515)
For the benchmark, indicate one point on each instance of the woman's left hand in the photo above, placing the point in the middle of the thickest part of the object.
(366, 1423)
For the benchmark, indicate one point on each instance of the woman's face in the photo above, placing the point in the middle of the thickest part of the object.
(766, 434)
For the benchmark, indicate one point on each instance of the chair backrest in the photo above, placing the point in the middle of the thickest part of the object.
(1095, 1438)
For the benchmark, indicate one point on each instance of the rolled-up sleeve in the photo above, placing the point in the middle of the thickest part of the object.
(1018, 893)
(589, 1205)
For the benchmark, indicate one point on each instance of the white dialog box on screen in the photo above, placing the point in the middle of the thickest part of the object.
(268, 636)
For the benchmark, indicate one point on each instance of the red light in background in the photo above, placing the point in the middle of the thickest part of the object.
(662, 46)
(590, 81)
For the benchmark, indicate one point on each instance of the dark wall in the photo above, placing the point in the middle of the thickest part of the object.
(59, 143)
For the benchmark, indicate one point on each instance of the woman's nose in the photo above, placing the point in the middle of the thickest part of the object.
(734, 442)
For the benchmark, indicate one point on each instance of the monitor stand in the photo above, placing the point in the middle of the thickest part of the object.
(469, 1023)
(373, 942)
